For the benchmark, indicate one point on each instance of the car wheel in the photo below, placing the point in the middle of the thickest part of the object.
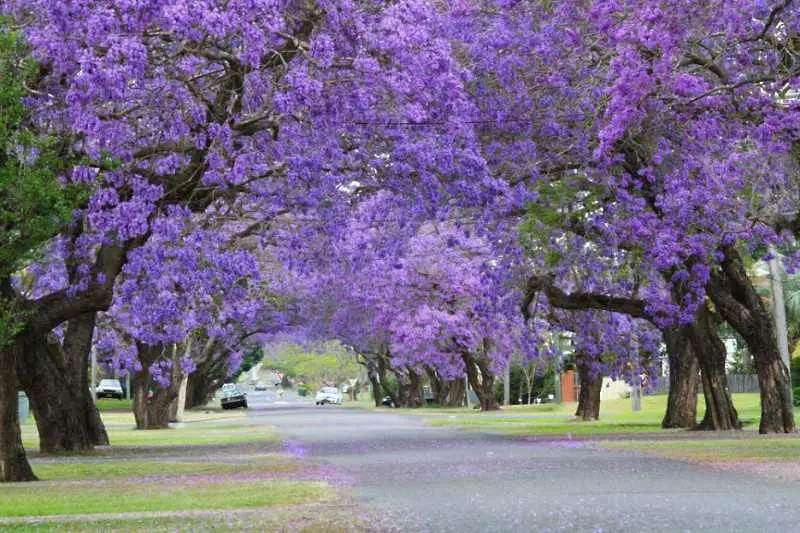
(244, 405)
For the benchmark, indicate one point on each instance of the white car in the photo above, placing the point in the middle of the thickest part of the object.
(109, 388)
(328, 395)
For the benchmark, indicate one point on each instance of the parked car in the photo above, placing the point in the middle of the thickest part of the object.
(328, 395)
(109, 388)
(260, 386)
(233, 397)
(388, 402)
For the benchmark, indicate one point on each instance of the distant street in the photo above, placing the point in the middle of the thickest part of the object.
(437, 479)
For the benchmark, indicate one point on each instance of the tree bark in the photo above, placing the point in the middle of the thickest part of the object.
(683, 380)
(151, 402)
(737, 301)
(180, 402)
(77, 349)
(408, 388)
(589, 396)
(65, 413)
(14, 464)
(481, 379)
(376, 388)
(456, 394)
(383, 361)
(180, 381)
(368, 361)
(710, 352)
(209, 375)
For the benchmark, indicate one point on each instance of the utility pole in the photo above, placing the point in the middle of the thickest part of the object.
(507, 384)
(636, 394)
(558, 382)
(92, 384)
(776, 279)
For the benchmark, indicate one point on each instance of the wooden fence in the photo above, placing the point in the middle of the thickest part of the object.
(736, 383)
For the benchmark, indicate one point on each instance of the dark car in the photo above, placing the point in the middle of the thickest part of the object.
(233, 397)
(388, 402)
(110, 388)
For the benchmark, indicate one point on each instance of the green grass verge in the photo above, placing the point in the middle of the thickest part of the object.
(205, 435)
(132, 469)
(192, 436)
(315, 517)
(108, 404)
(765, 448)
(39, 499)
(194, 477)
(616, 417)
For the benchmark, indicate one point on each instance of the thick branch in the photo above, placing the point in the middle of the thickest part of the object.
(580, 300)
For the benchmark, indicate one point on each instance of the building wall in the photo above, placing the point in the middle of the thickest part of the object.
(614, 389)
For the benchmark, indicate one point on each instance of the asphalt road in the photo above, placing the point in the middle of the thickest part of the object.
(441, 479)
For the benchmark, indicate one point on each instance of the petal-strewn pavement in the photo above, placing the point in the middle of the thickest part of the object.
(421, 478)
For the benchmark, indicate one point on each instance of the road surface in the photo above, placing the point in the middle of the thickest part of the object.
(449, 480)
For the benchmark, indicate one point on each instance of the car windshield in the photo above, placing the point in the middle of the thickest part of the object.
(109, 383)
(329, 390)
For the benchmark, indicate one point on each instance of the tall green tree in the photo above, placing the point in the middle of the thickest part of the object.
(34, 204)
(34, 207)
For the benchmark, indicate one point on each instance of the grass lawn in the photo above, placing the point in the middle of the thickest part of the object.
(616, 417)
(202, 427)
(110, 404)
(313, 517)
(42, 499)
(759, 448)
(114, 470)
(218, 471)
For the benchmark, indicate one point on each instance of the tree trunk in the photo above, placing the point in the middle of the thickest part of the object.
(683, 380)
(446, 393)
(589, 397)
(481, 379)
(178, 407)
(383, 361)
(201, 386)
(405, 389)
(66, 416)
(737, 301)
(456, 394)
(14, 464)
(77, 349)
(777, 411)
(179, 382)
(151, 403)
(371, 365)
(413, 390)
(376, 388)
(710, 352)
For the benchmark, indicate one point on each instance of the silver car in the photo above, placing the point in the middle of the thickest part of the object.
(328, 395)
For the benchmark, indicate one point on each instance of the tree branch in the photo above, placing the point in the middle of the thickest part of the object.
(580, 300)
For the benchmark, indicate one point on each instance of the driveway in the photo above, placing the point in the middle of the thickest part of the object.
(442, 479)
